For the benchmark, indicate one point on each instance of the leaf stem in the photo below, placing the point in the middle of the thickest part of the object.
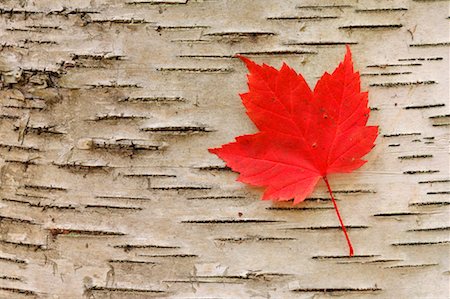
(339, 216)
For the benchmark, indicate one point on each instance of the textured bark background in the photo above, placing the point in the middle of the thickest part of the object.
(108, 191)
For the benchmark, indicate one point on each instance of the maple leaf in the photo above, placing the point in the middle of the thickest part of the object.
(304, 135)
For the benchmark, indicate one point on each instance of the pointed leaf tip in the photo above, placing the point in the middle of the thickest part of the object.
(213, 150)
(348, 54)
(244, 59)
(347, 46)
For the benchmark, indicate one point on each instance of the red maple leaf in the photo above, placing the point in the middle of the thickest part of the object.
(304, 135)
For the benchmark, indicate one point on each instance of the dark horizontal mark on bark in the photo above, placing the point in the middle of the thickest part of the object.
(24, 107)
(41, 205)
(336, 290)
(13, 278)
(240, 34)
(373, 26)
(421, 59)
(379, 261)
(44, 27)
(429, 229)
(394, 145)
(13, 11)
(47, 206)
(420, 171)
(15, 219)
(439, 116)
(108, 207)
(196, 70)
(377, 10)
(247, 276)
(302, 18)
(392, 65)
(122, 197)
(441, 125)
(116, 117)
(131, 262)
(386, 74)
(318, 199)
(40, 130)
(44, 188)
(131, 21)
(157, 2)
(342, 257)
(25, 245)
(19, 291)
(435, 181)
(401, 134)
(129, 247)
(174, 255)
(26, 148)
(81, 166)
(9, 116)
(397, 84)
(409, 157)
(68, 231)
(85, 65)
(421, 243)
(40, 71)
(192, 41)
(230, 221)
(189, 27)
(38, 42)
(322, 6)
(430, 203)
(153, 175)
(277, 52)
(34, 28)
(424, 106)
(105, 56)
(11, 46)
(443, 44)
(113, 85)
(331, 227)
(397, 214)
(63, 11)
(323, 43)
(178, 129)
(197, 281)
(206, 56)
(215, 197)
(121, 290)
(356, 191)
(298, 209)
(12, 260)
(153, 99)
(214, 167)
(20, 29)
(76, 11)
(356, 261)
(254, 238)
(179, 188)
(124, 145)
(438, 192)
(410, 266)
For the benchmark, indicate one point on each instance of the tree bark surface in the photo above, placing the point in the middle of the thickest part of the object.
(108, 107)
